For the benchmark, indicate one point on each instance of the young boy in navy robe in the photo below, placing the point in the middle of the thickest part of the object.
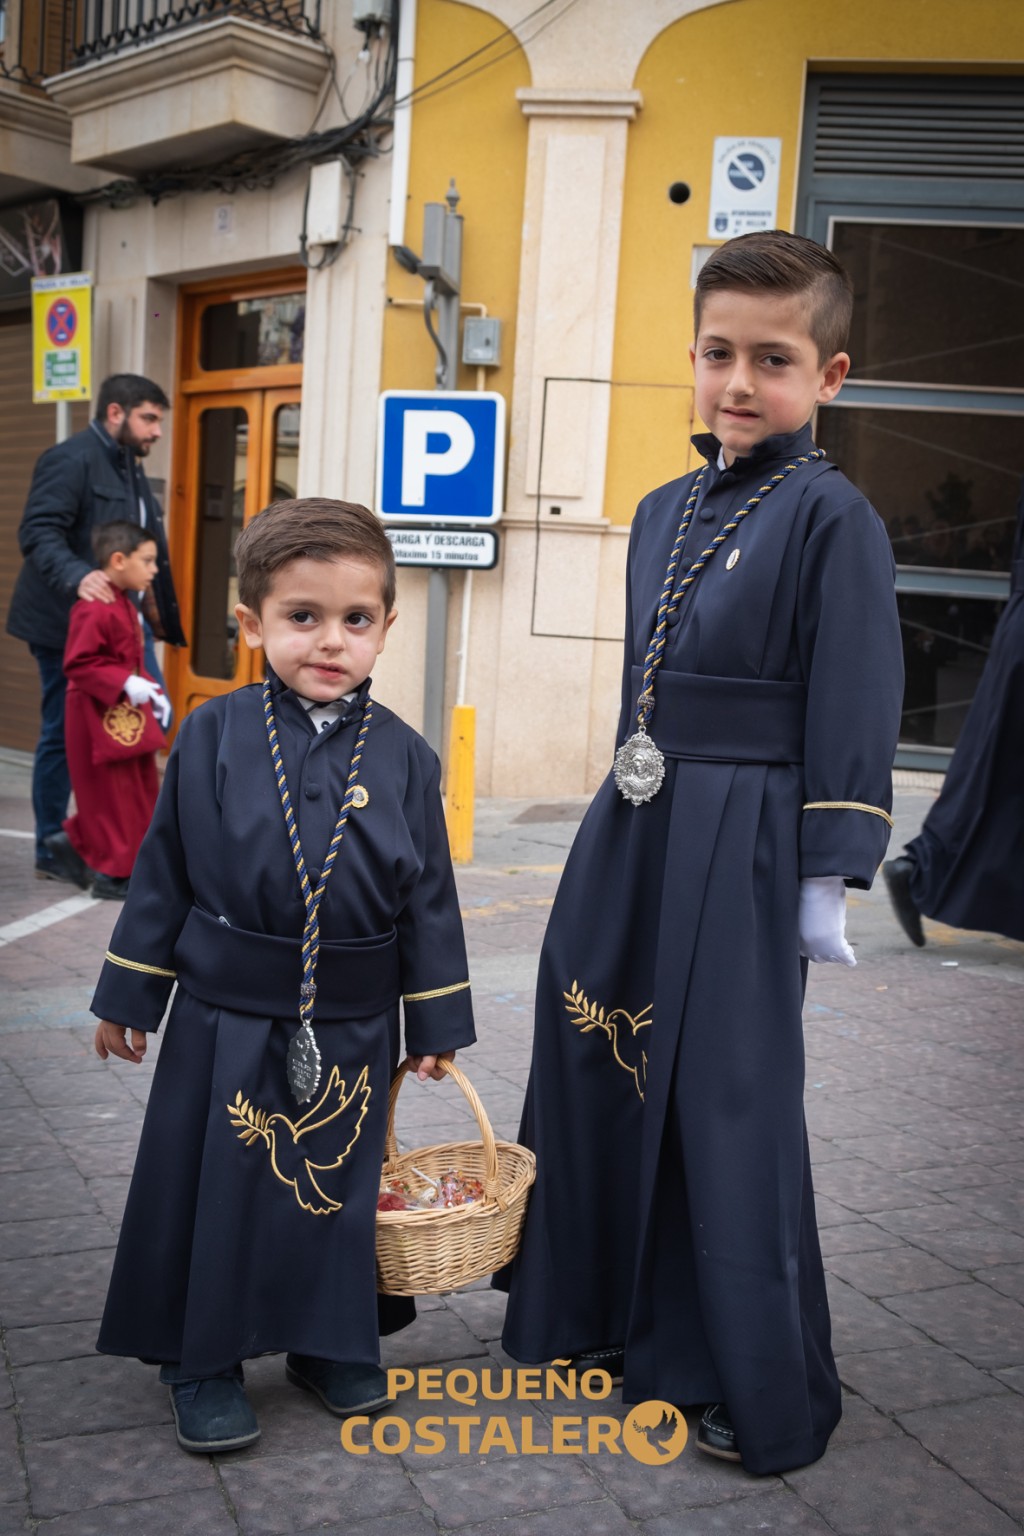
(114, 796)
(296, 883)
(671, 1235)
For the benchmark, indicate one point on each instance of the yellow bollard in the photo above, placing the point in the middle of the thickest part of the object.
(460, 789)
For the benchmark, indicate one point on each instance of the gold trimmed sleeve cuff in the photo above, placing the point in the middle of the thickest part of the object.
(844, 837)
(132, 992)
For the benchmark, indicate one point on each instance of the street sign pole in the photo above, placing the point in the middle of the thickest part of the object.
(442, 264)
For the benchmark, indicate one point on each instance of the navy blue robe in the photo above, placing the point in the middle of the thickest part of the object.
(673, 1210)
(969, 856)
(250, 1222)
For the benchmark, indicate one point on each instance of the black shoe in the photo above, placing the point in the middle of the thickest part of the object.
(64, 863)
(213, 1415)
(611, 1360)
(343, 1389)
(896, 873)
(715, 1433)
(109, 888)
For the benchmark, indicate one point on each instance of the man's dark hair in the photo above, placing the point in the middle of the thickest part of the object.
(129, 391)
(311, 528)
(773, 261)
(118, 539)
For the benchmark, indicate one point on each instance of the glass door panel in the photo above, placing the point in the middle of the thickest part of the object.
(930, 425)
(935, 304)
(945, 483)
(220, 514)
(946, 643)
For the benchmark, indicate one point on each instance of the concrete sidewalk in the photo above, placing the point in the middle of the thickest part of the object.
(915, 1089)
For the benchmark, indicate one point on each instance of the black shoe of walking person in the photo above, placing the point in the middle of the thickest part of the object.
(213, 1414)
(897, 873)
(715, 1434)
(65, 862)
(110, 888)
(343, 1389)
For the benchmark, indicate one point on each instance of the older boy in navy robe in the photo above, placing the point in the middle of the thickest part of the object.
(296, 882)
(103, 663)
(671, 1234)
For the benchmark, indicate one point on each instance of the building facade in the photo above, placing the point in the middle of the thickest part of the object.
(599, 151)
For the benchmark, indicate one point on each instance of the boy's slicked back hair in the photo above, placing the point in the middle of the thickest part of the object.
(772, 261)
(310, 528)
(118, 539)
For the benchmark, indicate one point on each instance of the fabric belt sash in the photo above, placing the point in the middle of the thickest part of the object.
(259, 974)
(727, 719)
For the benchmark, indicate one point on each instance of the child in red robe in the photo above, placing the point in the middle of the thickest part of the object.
(113, 719)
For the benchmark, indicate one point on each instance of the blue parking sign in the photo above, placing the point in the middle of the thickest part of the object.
(440, 456)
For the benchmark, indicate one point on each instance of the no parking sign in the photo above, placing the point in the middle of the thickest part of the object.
(62, 337)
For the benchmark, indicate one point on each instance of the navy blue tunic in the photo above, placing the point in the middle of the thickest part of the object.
(673, 1210)
(969, 856)
(250, 1223)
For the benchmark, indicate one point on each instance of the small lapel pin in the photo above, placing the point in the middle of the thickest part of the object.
(733, 558)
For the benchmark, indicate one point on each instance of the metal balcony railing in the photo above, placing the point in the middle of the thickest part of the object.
(46, 37)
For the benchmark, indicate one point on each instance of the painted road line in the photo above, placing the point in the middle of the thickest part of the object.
(7, 832)
(55, 914)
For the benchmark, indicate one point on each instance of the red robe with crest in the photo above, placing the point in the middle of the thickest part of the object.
(114, 800)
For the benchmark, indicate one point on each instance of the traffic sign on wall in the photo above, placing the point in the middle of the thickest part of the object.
(62, 337)
(440, 456)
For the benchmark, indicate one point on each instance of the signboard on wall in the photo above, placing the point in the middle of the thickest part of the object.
(744, 187)
(62, 337)
(440, 456)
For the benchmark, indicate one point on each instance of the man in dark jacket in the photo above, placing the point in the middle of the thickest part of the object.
(93, 477)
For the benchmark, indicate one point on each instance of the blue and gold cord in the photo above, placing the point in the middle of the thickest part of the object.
(672, 596)
(311, 898)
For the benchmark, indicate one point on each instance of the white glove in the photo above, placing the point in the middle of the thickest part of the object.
(822, 920)
(141, 691)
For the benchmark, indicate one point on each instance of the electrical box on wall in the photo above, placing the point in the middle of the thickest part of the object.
(371, 15)
(324, 216)
(481, 341)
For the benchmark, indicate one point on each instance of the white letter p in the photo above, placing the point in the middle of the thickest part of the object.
(418, 461)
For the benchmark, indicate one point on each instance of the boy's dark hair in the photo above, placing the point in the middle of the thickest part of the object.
(118, 539)
(774, 261)
(129, 391)
(310, 528)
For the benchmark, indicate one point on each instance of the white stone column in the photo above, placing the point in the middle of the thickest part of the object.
(572, 225)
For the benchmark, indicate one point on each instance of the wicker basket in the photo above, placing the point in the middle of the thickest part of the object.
(422, 1252)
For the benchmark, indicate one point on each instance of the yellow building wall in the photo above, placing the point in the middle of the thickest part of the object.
(738, 68)
(468, 125)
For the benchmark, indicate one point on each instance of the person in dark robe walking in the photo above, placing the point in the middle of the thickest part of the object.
(113, 719)
(965, 866)
(671, 1234)
(296, 883)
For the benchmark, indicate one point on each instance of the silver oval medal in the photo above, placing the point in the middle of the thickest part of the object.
(732, 560)
(639, 768)
(302, 1064)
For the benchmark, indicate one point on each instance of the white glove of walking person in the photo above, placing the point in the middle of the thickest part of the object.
(141, 691)
(822, 920)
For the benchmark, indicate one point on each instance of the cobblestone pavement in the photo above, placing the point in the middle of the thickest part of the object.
(914, 1096)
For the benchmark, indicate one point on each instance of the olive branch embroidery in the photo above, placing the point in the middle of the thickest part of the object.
(588, 1015)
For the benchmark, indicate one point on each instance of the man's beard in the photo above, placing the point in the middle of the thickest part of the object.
(127, 439)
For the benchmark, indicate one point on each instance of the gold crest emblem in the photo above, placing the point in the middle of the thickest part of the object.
(124, 723)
